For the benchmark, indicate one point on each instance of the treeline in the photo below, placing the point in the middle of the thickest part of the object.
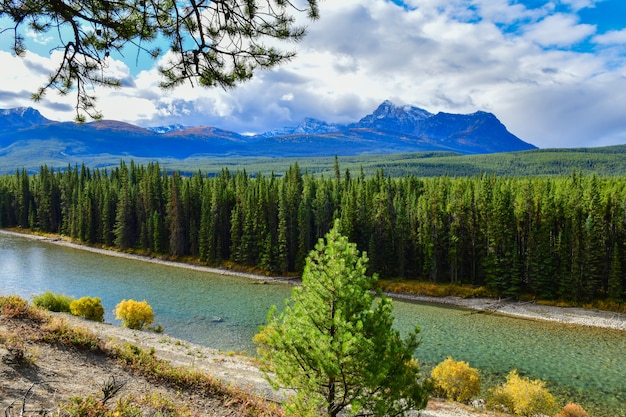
(552, 238)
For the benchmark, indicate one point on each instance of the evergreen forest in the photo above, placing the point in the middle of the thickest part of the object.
(551, 238)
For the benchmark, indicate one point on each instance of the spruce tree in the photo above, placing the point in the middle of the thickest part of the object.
(124, 218)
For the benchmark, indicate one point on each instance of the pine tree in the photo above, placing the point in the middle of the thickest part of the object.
(7, 217)
(595, 253)
(282, 253)
(176, 219)
(335, 345)
(107, 213)
(206, 232)
(292, 196)
(24, 196)
(502, 262)
(124, 216)
(44, 195)
(542, 261)
(306, 223)
(616, 280)
(236, 232)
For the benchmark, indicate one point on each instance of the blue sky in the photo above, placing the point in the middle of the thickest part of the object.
(554, 72)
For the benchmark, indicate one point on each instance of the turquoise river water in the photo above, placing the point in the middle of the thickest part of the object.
(586, 365)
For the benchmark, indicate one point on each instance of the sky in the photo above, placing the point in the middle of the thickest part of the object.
(553, 72)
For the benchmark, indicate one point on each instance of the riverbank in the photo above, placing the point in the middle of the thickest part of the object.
(526, 310)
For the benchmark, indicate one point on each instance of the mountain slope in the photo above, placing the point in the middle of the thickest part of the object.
(392, 129)
(20, 118)
(478, 132)
(389, 117)
(27, 139)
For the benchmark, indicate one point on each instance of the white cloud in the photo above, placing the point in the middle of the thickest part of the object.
(614, 37)
(501, 11)
(558, 30)
(585, 114)
(39, 38)
(577, 5)
(21, 77)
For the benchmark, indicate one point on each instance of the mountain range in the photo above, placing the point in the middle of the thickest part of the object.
(389, 129)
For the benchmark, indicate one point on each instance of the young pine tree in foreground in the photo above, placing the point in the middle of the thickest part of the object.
(334, 343)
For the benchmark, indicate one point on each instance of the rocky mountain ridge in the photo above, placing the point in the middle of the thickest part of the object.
(389, 129)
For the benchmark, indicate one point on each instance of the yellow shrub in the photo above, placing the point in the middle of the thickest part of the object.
(134, 314)
(456, 380)
(572, 410)
(88, 307)
(524, 397)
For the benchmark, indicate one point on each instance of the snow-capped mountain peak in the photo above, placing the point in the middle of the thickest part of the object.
(388, 116)
(167, 129)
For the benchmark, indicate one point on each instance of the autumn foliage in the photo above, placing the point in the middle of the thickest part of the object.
(456, 380)
(523, 397)
(572, 410)
(14, 306)
(89, 308)
(134, 314)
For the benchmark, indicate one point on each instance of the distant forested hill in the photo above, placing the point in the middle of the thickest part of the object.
(605, 161)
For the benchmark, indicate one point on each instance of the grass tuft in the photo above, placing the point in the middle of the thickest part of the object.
(158, 370)
(58, 330)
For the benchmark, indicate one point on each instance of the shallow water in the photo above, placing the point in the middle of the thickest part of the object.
(224, 312)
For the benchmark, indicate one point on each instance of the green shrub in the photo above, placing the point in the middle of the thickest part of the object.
(434, 290)
(523, 397)
(59, 303)
(572, 410)
(134, 314)
(456, 380)
(89, 308)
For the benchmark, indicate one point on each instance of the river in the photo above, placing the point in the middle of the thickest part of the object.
(588, 365)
